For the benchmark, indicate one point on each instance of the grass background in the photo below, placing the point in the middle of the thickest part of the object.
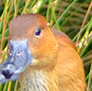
(73, 17)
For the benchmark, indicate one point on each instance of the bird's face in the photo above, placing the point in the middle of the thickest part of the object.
(31, 44)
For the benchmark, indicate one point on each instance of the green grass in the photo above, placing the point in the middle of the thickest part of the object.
(73, 17)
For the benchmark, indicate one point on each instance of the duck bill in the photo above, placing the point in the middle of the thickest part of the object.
(19, 58)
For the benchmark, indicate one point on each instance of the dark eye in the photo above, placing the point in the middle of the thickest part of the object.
(38, 31)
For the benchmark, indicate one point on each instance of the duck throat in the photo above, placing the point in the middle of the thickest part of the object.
(38, 80)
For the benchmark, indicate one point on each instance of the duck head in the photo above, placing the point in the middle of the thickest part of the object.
(31, 44)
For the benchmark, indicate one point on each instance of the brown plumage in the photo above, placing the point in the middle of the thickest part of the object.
(56, 65)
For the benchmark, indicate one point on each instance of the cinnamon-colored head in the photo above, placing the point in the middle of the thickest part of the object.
(41, 42)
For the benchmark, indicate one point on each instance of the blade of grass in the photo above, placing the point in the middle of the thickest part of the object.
(83, 30)
(1, 87)
(25, 7)
(9, 86)
(66, 20)
(48, 10)
(84, 50)
(37, 6)
(4, 26)
(80, 32)
(90, 77)
(5, 86)
(15, 13)
(65, 12)
(83, 38)
(54, 13)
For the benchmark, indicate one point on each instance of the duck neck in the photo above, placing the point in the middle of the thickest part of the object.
(38, 80)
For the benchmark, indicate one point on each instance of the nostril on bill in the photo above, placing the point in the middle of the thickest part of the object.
(7, 73)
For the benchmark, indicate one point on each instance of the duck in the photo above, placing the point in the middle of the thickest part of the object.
(41, 58)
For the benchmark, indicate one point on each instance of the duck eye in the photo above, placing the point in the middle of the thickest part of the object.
(38, 31)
